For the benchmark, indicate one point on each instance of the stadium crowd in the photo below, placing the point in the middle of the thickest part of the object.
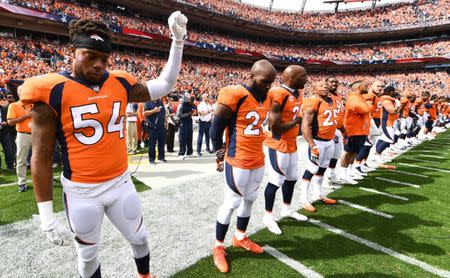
(399, 14)
(125, 18)
(22, 58)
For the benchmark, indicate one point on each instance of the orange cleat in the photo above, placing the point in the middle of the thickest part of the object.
(248, 245)
(146, 275)
(220, 260)
(309, 207)
(328, 201)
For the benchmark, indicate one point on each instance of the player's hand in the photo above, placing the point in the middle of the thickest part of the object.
(57, 233)
(220, 156)
(177, 25)
(157, 109)
(315, 154)
(397, 103)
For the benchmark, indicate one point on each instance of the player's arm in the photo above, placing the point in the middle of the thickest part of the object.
(43, 140)
(362, 107)
(163, 85)
(14, 121)
(390, 108)
(275, 124)
(222, 116)
(308, 118)
(150, 112)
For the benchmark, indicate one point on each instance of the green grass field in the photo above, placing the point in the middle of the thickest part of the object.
(420, 228)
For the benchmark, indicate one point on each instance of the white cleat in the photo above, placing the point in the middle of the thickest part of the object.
(360, 172)
(356, 176)
(271, 224)
(289, 212)
(348, 180)
(333, 179)
(367, 169)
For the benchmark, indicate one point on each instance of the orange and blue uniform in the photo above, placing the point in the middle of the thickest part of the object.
(339, 110)
(324, 123)
(357, 115)
(245, 132)
(90, 127)
(376, 107)
(404, 113)
(291, 103)
(387, 119)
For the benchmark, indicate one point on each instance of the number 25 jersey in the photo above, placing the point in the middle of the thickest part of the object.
(245, 132)
(90, 124)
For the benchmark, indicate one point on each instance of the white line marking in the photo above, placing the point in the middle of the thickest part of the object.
(385, 215)
(427, 168)
(300, 268)
(398, 182)
(432, 156)
(436, 151)
(420, 160)
(377, 247)
(408, 173)
(384, 193)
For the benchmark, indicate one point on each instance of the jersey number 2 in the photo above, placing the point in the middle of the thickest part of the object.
(250, 129)
(91, 109)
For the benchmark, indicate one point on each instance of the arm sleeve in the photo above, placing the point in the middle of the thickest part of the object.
(164, 84)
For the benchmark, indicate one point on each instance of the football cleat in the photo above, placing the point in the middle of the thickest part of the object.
(146, 275)
(366, 168)
(328, 201)
(308, 207)
(348, 180)
(248, 245)
(333, 179)
(360, 171)
(289, 212)
(220, 260)
(271, 224)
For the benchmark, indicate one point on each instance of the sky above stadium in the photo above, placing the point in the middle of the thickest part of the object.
(314, 5)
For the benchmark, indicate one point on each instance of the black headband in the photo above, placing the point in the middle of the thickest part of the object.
(93, 42)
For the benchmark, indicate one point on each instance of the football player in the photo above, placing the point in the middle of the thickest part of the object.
(242, 110)
(281, 144)
(318, 129)
(85, 110)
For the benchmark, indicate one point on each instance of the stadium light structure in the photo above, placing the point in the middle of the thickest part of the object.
(271, 5)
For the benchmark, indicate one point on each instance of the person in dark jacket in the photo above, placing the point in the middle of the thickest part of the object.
(155, 115)
(185, 111)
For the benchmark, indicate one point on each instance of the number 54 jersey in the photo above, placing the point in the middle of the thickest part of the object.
(90, 127)
(245, 132)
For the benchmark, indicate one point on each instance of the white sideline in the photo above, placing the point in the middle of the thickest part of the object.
(384, 193)
(432, 156)
(300, 268)
(408, 173)
(377, 247)
(366, 209)
(427, 168)
(420, 160)
(398, 182)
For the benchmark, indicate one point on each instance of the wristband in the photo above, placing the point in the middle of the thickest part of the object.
(46, 213)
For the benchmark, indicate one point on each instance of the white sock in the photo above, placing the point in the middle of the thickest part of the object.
(218, 243)
(332, 172)
(304, 185)
(344, 172)
(239, 235)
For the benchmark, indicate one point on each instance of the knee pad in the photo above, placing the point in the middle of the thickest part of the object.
(245, 209)
(131, 206)
(87, 253)
(140, 237)
(251, 196)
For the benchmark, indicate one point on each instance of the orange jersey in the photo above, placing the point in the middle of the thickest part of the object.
(290, 108)
(90, 122)
(324, 123)
(357, 115)
(19, 109)
(388, 119)
(432, 111)
(419, 106)
(376, 104)
(245, 132)
(404, 113)
(339, 109)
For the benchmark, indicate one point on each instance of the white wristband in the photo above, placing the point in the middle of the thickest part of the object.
(46, 213)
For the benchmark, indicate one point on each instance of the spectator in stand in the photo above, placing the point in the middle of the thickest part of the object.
(205, 112)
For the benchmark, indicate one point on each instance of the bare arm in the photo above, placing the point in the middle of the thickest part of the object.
(308, 117)
(151, 112)
(43, 141)
(15, 121)
(276, 126)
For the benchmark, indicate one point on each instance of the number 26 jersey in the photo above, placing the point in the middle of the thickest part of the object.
(90, 125)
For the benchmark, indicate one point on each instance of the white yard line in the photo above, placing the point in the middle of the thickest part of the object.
(427, 168)
(28, 182)
(420, 160)
(300, 268)
(408, 173)
(436, 151)
(384, 193)
(366, 209)
(429, 268)
(398, 182)
(432, 156)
